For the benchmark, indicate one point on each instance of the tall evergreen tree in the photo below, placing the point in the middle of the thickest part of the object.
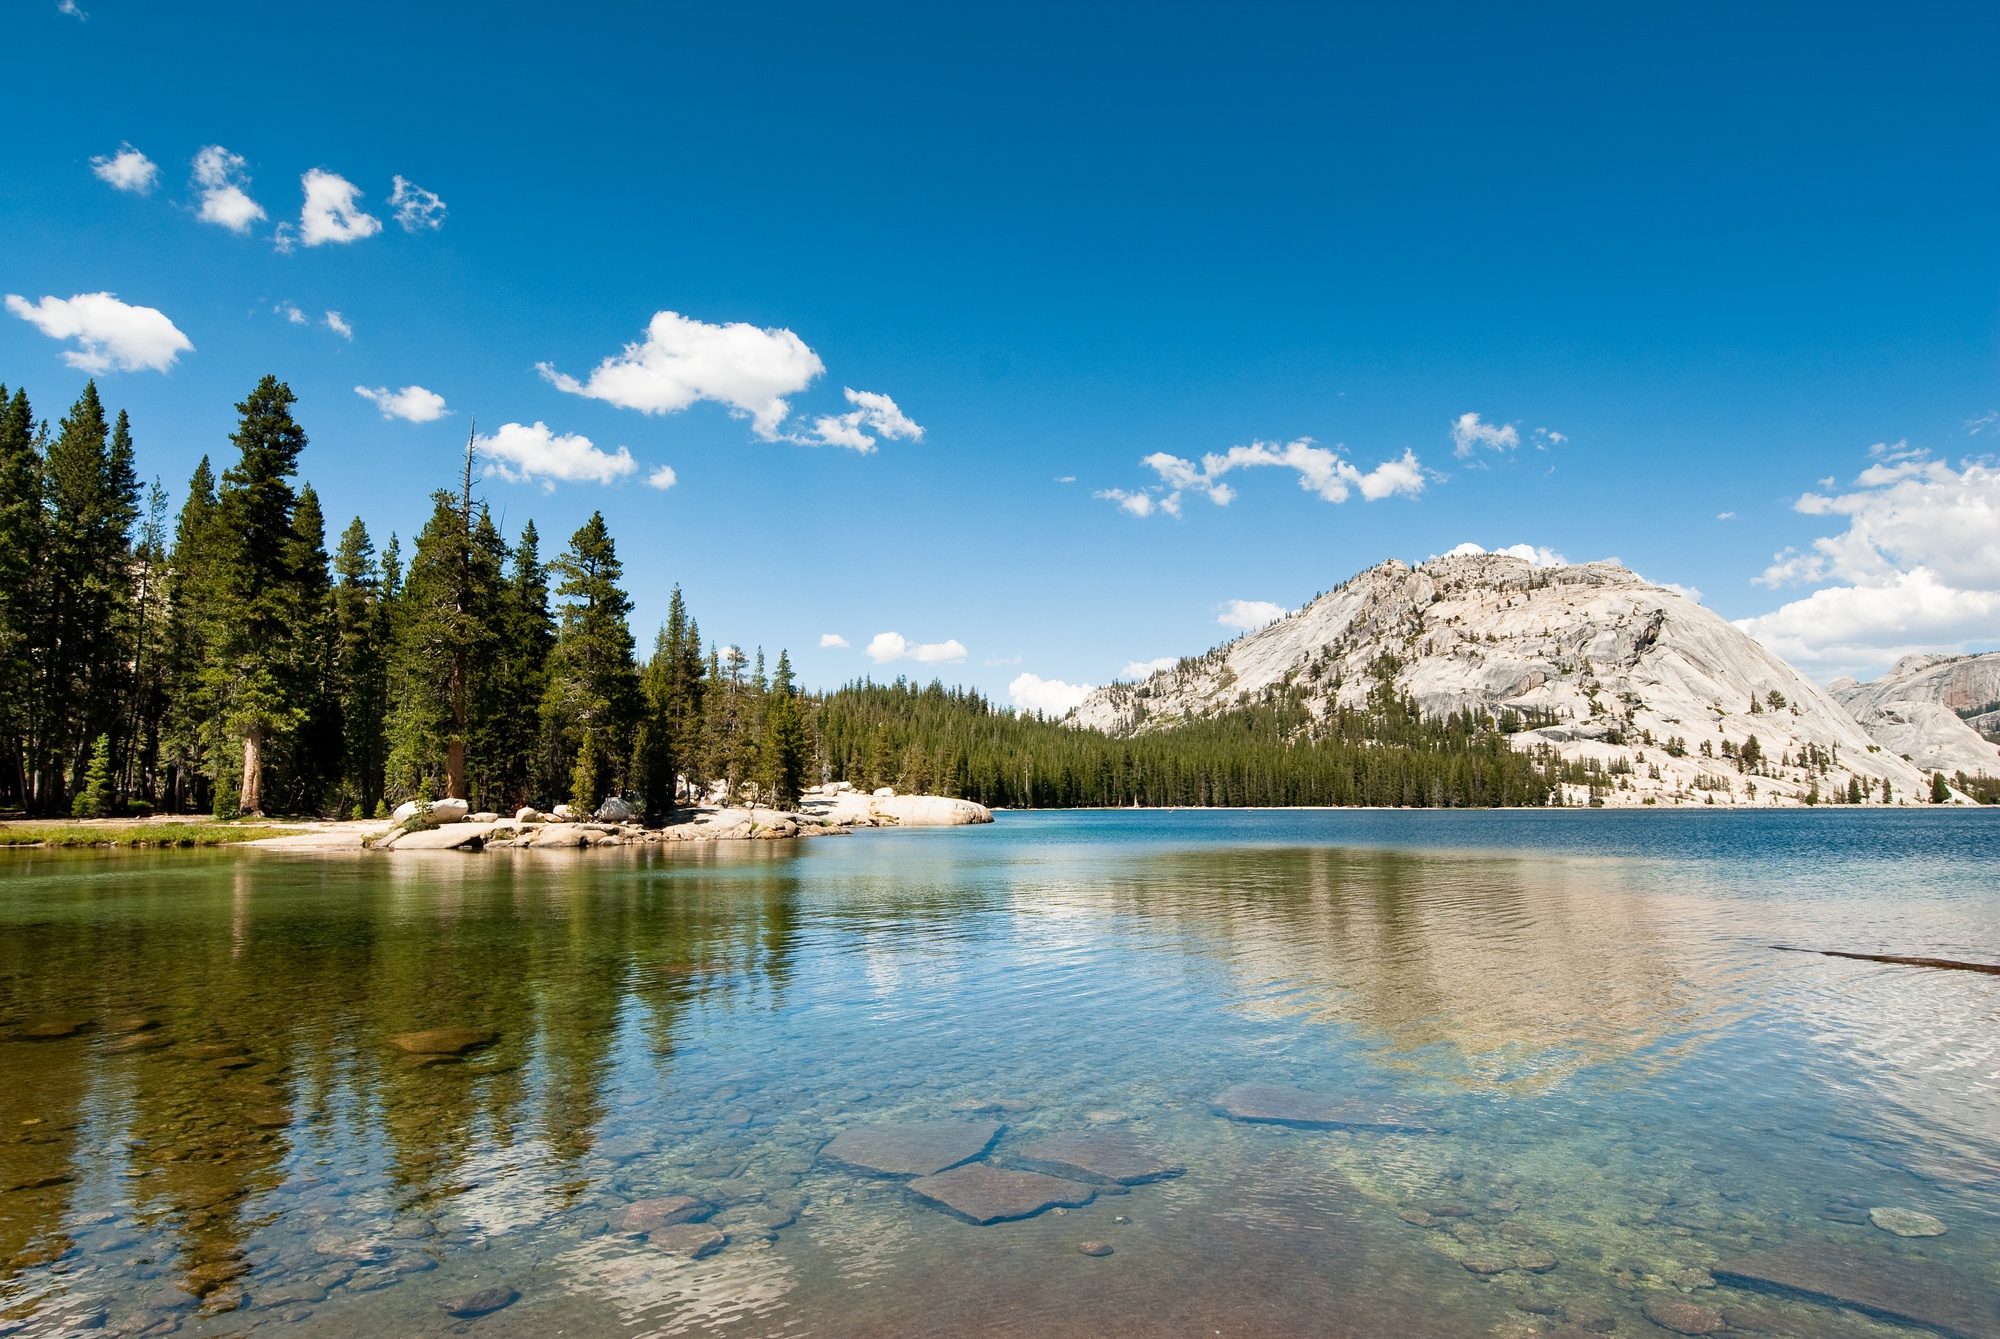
(146, 704)
(21, 571)
(312, 756)
(190, 731)
(443, 621)
(251, 662)
(90, 501)
(786, 751)
(360, 620)
(593, 685)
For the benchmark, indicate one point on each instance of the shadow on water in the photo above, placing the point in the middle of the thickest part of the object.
(1613, 1094)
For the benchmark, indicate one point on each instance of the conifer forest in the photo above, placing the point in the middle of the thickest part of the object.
(224, 657)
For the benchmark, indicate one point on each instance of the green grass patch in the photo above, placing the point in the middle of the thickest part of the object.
(135, 834)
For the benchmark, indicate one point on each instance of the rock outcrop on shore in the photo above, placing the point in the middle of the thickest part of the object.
(1937, 711)
(1595, 663)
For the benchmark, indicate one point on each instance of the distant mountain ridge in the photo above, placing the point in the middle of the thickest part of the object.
(1941, 712)
(1657, 696)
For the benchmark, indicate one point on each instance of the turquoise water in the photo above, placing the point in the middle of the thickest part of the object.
(1615, 1093)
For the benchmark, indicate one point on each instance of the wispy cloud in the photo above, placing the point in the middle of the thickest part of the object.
(886, 647)
(223, 183)
(832, 639)
(1468, 435)
(1146, 669)
(339, 326)
(109, 333)
(1321, 470)
(876, 412)
(523, 453)
(290, 311)
(682, 360)
(332, 211)
(1050, 697)
(1249, 614)
(416, 208)
(412, 403)
(73, 9)
(127, 170)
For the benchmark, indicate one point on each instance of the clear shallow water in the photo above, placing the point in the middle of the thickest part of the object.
(1629, 1081)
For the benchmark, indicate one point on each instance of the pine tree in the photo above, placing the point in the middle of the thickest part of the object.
(586, 784)
(93, 799)
(1940, 789)
(21, 571)
(444, 620)
(360, 622)
(190, 731)
(251, 665)
(526, 636)
(593, 685)
(785, 750)
(91, 500)
(312, 753)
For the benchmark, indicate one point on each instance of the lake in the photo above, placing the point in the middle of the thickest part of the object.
(1366, 1073)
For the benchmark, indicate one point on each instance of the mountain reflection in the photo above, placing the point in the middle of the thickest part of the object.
(1526, 969)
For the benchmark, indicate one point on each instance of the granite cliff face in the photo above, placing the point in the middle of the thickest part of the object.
(1591, 661)
(1938, 711)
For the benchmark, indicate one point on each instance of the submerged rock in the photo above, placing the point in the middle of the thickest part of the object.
(921, 1149)
(1894, 1287)
(1587, 1313)
(1681, 1316)
(693, 1240)
(982, 1193)
(1274, 1104)
(646, 1215)
(445, 1040)
(1906, 1222)
(52, 1029)
(482, 1303)
(1094, 1248)
(1100, 1155)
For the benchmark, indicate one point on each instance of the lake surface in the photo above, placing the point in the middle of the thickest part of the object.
(1575, 1087)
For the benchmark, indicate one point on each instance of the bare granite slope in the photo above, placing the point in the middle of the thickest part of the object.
(1937, 711)
(1603, 667)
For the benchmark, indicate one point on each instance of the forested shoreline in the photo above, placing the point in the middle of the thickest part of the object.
(224, 661)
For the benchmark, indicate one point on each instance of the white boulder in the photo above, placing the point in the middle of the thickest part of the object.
(615, 810)
(442, 811)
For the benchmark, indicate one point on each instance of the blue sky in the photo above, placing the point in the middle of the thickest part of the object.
(1737, 266)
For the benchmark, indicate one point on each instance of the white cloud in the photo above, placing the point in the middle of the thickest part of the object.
(1321, 470)
(1065, 478)
(1533, 554)
(1986, 422)
(1546, 438)
(1725, 516)
(332, 211)
(224, 201)
(109, 333)
(127, 170)
(1917, 569)
(878, 412)
(1051, 697)
(413, 403)
(1249, 614)
(340, 327)
(662, 478)
(520, 453)
(290, 311)
(887, 646)
(71, 8)
(1468, 434)
(998, 661)
(827, 639)
(416, 207)
(1146, 669)
(1139, 504)
(683, 360)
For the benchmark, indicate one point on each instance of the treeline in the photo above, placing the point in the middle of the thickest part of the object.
(954, 741)
(226, 663)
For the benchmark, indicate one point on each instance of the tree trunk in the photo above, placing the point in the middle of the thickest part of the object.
(251, 800)
(454, 771)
